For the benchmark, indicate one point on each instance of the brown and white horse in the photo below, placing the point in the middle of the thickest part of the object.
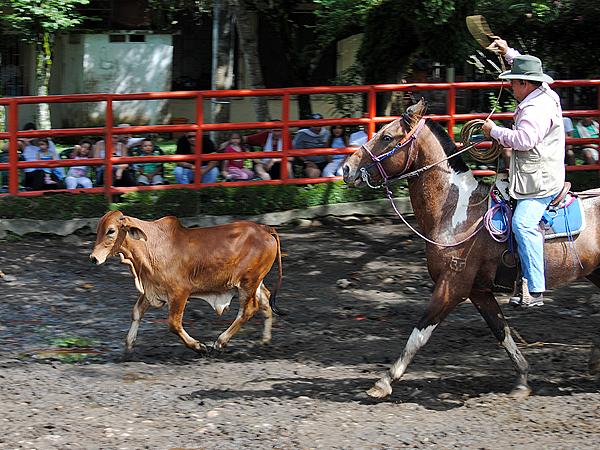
(448, 203)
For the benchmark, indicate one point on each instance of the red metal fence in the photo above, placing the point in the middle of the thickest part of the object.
(450, 117)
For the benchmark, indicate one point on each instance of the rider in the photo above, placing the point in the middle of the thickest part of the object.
(537, 171)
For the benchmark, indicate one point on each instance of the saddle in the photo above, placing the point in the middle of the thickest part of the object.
(561, 195)
(564, 217)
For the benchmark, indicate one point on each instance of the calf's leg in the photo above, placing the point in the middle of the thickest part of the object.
(138, 311)
(264, 296)
(249, 304)
(176, 307)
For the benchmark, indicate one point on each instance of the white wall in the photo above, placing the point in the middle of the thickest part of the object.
(92, 64)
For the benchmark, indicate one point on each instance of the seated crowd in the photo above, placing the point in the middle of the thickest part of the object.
(149, 173)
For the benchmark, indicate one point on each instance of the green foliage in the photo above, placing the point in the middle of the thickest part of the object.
(346, 105)
(239, 201)
(562, 33)
(59, 206)
(71, 342)
(31, 18)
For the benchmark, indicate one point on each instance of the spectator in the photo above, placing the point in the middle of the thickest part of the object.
(52, 175)
(337, 139)
(40, 179)
(587, 128)
(127, 140)
(269, 141)
(313, 137)
(149, 172)
(359, 137)
(123, 175)
(184, 171)
(569, 154)
(233, 169)
(4, 158)
(77, 176)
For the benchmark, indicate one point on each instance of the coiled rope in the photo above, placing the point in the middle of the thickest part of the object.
(483, 155)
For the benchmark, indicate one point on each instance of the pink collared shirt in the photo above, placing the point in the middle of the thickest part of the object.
(532, 118)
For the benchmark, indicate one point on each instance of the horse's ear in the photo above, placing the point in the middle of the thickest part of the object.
(417, 110)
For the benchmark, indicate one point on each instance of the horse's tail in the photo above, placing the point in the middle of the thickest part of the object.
(273, 295)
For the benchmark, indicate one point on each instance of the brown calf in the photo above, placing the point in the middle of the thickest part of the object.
(171, 263)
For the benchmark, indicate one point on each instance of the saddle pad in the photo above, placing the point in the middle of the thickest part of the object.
(566, 221)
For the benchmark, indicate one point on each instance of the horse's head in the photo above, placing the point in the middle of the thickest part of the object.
(389, 152)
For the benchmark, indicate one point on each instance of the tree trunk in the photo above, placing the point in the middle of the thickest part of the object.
(223, 63)
(246, 24)
(43, 71)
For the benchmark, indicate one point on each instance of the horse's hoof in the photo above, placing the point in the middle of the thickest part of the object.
(381, 389)
(200, 348)
(520, 392)
(215, 349)
(127, 355)
(594, 362)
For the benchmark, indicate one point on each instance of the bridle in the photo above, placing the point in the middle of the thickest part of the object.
(407, 140)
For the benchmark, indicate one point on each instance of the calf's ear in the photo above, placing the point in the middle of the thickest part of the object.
(137, 234)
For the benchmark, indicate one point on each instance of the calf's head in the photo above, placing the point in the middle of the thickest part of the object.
(111, 233)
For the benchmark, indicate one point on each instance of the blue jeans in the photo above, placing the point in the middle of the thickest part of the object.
(530, 240)
(186, 176)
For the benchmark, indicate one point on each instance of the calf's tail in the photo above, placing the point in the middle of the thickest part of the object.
(273, 295)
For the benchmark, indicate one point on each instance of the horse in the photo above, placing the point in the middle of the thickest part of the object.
(448, 204)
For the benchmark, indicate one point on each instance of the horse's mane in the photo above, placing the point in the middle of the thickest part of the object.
(457, 164)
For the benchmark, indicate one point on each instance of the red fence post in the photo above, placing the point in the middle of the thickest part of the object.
(451, 109)
(198, 144)
(372, 110)
(108, 150)
(285, 135)
(13, 156)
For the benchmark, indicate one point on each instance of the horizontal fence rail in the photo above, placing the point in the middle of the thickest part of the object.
(451, 117)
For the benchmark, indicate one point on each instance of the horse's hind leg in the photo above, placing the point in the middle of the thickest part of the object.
(438, 308)
(488, 307)
(594, 277)
(594, 362)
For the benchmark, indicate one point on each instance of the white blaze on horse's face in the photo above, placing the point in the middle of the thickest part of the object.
(466, 184)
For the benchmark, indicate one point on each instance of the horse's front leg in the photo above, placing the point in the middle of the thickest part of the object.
(441, 303)
(488, 307)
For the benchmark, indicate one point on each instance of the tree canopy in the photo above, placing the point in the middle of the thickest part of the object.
(30, 18)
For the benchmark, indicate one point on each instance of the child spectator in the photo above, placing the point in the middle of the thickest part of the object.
(45, 153)
(184, 171)
(149, 172)
(77, 176)
(588, 128)
(270, 141)
(38, 179)
(234, 169)
(337, 139)
(123, 175)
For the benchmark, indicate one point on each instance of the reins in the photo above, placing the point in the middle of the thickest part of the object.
(408, 140)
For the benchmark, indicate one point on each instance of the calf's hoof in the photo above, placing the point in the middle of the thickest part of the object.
(265, 340)
(520, 392)
(381, 389)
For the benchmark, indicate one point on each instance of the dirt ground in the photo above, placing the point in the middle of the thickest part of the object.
(63, 383)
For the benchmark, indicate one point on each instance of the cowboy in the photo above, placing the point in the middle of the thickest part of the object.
(537, 171)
